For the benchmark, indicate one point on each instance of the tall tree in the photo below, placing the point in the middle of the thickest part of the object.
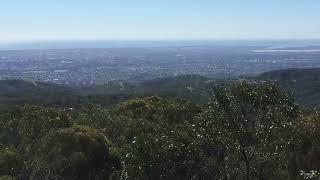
(247, 122)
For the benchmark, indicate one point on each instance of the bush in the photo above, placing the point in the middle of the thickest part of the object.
(10, 162)
(77, 152)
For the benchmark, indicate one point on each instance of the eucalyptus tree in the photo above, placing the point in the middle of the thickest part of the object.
(247, 123)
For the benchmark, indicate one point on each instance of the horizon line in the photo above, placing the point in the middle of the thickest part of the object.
(50, 40)
(127, 43)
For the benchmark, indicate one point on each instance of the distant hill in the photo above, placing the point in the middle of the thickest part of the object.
(16, 92)
(21, 92)
(191, 87)
(304, 84)
(110, 88)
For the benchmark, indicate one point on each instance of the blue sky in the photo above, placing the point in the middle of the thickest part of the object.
(36, 20)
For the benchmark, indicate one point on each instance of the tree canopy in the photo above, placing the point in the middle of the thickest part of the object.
(246, 131)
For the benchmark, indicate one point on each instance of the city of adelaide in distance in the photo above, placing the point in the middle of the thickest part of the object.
(160, 90)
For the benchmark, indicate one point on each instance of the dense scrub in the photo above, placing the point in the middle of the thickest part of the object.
(246, 131)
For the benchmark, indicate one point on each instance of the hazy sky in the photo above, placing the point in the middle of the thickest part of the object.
(30, 20)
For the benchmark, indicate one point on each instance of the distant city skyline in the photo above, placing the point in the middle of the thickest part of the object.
(46, 20)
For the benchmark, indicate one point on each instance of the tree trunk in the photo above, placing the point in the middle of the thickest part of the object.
(247, 169)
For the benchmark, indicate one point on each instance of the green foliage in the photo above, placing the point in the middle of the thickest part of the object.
(155, 109)
(302, 83)
(308, 130)
(304, 154)
(9, 133)
(193, 87)
(18, 92)
(7, 178)
(160, 143)
(36, 121)
(122, 122)
(153, 135)
(77, 152)
(10, 162)
(247, 131)
(247, 122)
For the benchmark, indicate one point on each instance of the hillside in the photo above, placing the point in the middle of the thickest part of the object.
(191, 87)
(21, 92)
(304, 84)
